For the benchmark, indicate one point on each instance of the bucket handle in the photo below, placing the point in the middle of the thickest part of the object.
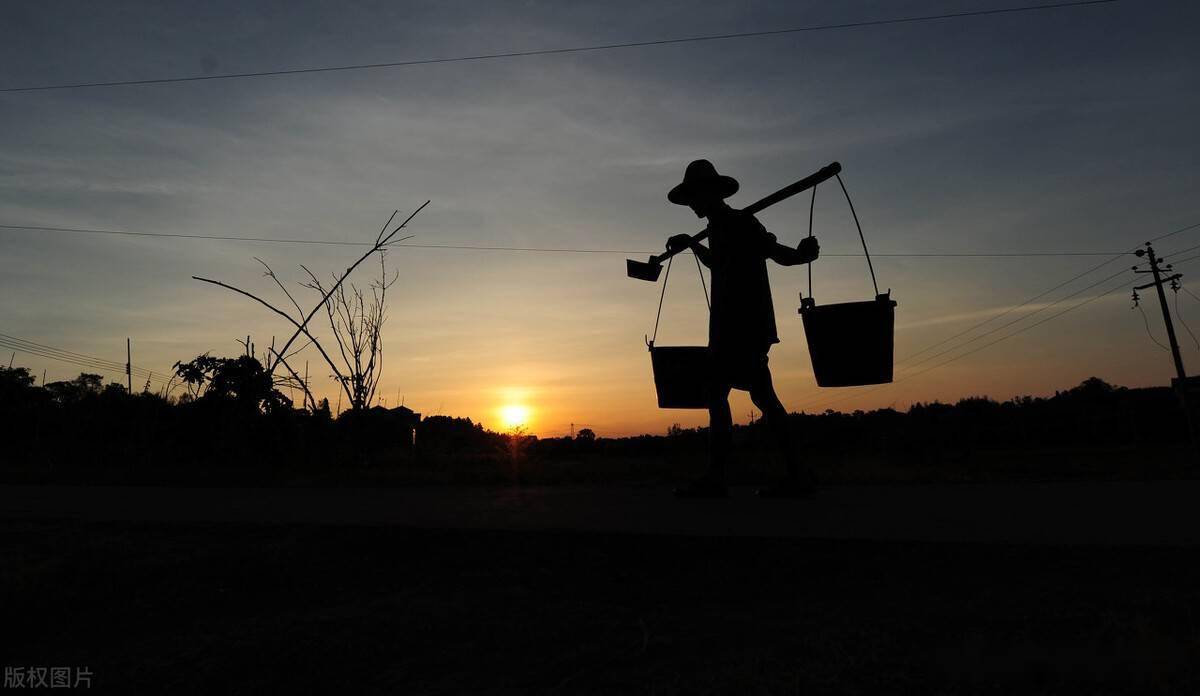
(870, 267)
(866, 253)
(812, 204)
(662, 296)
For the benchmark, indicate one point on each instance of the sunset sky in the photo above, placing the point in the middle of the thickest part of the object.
(1065, 130)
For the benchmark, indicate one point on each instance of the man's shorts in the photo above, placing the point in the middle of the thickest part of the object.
(739, 368)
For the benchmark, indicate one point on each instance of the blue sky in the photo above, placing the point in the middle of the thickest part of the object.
(1061, 130)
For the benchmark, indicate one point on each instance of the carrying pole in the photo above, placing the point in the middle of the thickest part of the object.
(649, 270)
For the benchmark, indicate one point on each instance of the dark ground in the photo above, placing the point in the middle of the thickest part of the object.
(245, 607)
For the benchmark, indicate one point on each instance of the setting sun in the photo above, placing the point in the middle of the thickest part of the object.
(514, 415)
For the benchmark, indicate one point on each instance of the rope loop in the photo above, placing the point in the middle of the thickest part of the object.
(870, 267)
(666, 277)
(663, 295)
(812, 204)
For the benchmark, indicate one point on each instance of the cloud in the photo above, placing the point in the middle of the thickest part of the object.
(1001, 135)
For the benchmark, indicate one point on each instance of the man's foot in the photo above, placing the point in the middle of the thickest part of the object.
(788, 489)
(702, 489)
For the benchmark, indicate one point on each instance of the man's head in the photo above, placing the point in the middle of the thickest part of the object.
(705, 207)
(703, 189)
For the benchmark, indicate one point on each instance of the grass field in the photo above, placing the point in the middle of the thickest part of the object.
(224, 608)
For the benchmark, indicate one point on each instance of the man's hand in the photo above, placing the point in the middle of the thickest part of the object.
(679, 242)
(809, 249)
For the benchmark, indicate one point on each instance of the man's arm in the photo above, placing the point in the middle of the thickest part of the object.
(681, 241)
(770, 248)
(807, 252)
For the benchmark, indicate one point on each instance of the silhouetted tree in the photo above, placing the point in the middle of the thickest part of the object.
(442, 435)
(357, 327)
(73, 391)
(241, 380)
(1092, 387)
(347, 379)
(15, 381)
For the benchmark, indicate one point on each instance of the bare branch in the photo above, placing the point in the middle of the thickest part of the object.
(310, 402)
(357, 328)
(300, 328)
(379, 244)
(271, 274)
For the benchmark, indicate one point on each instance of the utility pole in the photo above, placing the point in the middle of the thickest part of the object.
(129, 365)
(1181, 380)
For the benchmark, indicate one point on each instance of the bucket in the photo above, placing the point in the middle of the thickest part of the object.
(850, 343)
(681, 376)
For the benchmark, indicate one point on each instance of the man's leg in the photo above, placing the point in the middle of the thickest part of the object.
(762, 393)
(720, 438)
(720, 432)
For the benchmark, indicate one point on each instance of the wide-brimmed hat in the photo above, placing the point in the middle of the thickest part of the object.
(701, 181)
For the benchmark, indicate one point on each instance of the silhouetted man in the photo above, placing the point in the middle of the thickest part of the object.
(741, 325)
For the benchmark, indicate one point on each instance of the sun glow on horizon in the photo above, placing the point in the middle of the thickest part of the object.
(514, 416)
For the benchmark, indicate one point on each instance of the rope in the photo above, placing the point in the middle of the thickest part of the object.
(1179, 316)
(660, 301)
(663, 295)
(1146, 321)
(811, 206)
(870, 267)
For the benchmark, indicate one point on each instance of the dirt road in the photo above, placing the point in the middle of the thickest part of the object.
(1122, 513)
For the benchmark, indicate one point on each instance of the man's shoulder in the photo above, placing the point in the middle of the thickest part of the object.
(741, 216)
(744, 219)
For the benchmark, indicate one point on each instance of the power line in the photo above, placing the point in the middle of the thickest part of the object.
(1181, 230)
(561, 51)
(1183, 251)
(78, 363)
(1190, 258)
(1179, 316)
(89, 366)
(41, 346)
(1089, 300)
(94, 364)
(546, 250)
(1146, 321)
(1019, 319)
(1037, 297)
(42, 350)
(1161, 237)
(1040, 295)
(173, 235)
(1022, 330)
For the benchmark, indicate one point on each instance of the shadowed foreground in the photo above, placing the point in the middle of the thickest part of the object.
(251, 607)
(1064, 512)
